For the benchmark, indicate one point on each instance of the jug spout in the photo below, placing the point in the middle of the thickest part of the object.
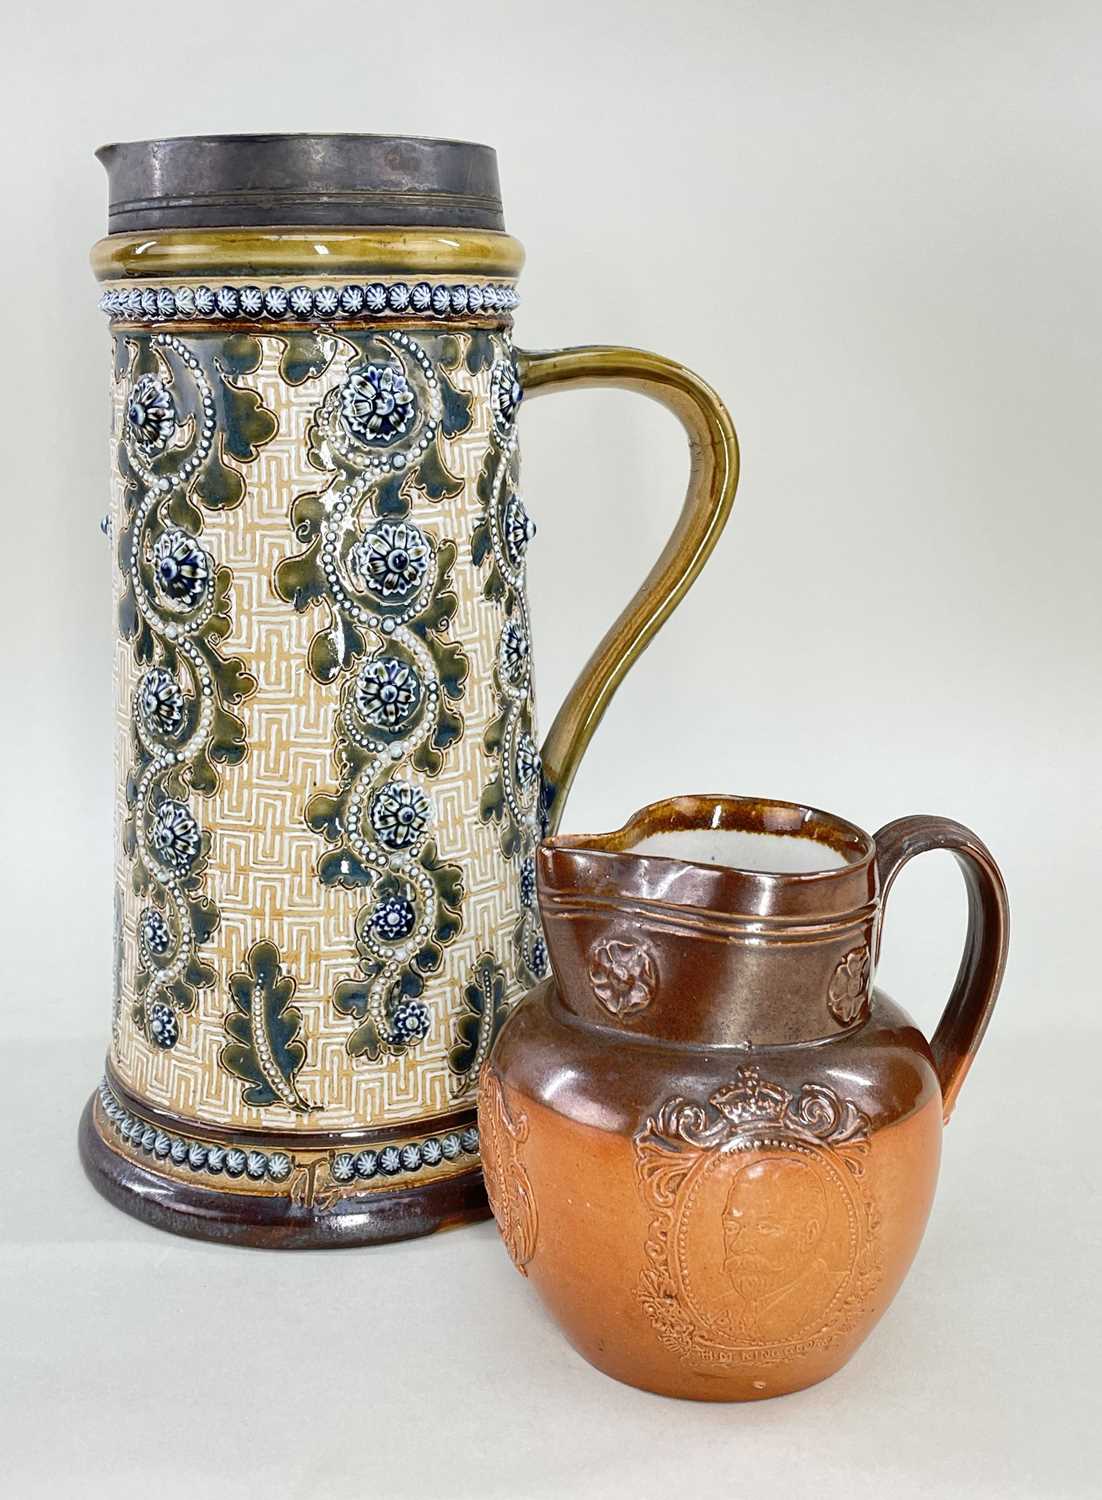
(715, 920)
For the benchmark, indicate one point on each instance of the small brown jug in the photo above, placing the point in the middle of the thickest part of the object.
(708, 1141)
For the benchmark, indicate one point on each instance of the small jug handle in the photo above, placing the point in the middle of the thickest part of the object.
(965, 1018)
(713, 477)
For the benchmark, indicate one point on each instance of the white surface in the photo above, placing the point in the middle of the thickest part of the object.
(138, 1365)
(874, 227)
(778, 853)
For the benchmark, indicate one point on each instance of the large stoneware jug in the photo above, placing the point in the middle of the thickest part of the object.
(330, 785)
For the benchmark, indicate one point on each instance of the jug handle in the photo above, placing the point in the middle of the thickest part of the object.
(713, 478)
(964, 1020)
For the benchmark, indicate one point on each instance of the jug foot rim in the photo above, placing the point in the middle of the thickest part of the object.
(275, 1222)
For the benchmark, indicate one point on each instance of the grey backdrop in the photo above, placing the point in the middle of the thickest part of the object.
(875, 229)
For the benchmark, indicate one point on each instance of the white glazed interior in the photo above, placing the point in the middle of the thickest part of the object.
(737, 849)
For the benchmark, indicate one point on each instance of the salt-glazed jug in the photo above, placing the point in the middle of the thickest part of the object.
(330, 788)
(709, 1141)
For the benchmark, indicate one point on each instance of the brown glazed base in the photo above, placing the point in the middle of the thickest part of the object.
(275, 1223)
(575, 1114)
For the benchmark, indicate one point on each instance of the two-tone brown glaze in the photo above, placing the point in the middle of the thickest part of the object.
(709, 1142)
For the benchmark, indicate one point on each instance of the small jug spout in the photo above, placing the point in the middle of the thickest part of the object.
(715, 920)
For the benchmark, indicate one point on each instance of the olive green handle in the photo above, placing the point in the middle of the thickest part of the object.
(713, 478)
(960, 1031)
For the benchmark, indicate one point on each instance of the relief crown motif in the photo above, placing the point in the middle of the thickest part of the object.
(750, 1098)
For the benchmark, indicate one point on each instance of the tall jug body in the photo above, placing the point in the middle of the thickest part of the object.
(329, 785)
